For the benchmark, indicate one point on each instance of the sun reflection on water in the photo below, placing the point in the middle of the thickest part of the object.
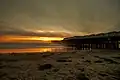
(30, 50)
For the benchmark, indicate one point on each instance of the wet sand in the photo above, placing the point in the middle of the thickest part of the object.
(75, 65)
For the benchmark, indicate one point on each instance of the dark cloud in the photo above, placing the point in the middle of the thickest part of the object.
(89, 16)
(9, 30)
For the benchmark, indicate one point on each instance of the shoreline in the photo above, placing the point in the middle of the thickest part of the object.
(76, 65)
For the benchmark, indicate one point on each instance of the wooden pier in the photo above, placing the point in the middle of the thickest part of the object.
(109, 40)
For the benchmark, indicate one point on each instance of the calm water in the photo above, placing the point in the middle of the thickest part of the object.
(29, 47)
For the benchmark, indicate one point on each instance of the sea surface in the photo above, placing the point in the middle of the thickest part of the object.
(33, 47)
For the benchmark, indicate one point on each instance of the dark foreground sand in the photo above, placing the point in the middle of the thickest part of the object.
(78, 65)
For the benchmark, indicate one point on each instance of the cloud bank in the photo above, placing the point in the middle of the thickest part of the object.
(74, 16)
(6, 29)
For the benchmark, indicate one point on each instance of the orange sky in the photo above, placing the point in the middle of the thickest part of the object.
(11, 38)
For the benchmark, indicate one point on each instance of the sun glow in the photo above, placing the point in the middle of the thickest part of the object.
(28, 39)
(39, 38)
(50, 38)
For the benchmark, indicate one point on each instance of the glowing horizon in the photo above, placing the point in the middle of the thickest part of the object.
(28, 38)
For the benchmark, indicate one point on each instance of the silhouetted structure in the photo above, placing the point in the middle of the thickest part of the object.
(109, 40)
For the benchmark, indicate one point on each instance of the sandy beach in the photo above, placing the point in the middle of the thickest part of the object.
(75, 65)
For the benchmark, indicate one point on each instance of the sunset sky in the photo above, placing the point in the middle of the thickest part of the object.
(36, 20)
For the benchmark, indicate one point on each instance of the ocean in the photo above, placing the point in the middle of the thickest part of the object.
(32, 47)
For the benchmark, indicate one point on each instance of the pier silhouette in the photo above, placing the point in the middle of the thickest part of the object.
(110, 40)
